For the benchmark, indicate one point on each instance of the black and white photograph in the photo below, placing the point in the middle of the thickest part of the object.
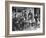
(25, 18)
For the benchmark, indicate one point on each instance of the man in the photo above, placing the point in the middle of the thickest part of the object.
(30, 16)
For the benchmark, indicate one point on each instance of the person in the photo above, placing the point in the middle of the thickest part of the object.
(30, 16)
(14, 24)
(24, 14)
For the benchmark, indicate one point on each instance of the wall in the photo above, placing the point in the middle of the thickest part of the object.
(2, 18)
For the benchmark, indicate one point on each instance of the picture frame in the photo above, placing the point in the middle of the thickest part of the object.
(10, 6)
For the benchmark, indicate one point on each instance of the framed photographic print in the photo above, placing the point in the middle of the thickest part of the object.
(24, 18)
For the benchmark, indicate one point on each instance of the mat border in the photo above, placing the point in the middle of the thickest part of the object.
(7, 19)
